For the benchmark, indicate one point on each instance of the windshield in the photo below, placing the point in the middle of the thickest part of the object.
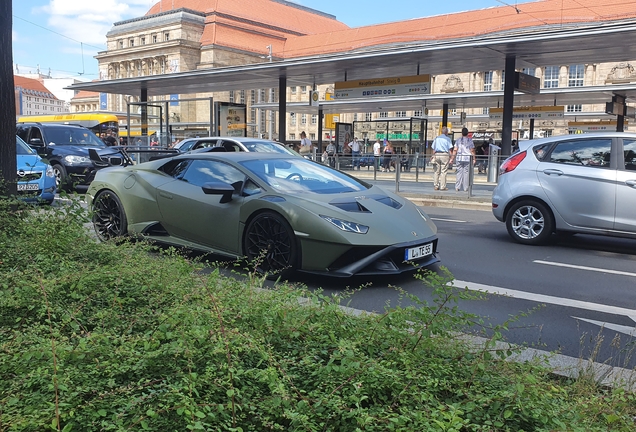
(73, 136)
(22, 148)
(266, 147)
(298, 175)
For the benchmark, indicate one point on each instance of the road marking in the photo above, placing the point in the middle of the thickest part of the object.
(542, 298)
(599, 270)
(628, 330)
(448, 220)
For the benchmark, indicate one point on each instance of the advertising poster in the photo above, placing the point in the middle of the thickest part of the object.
(344, 135)
(230, 119)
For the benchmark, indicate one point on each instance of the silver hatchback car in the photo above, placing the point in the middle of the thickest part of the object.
(573, 184)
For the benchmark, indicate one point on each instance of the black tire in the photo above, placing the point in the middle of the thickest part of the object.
(530, 222)
(270, 243)
(61, 177)
(109, 217)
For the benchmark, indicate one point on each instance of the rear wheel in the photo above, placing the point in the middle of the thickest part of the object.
(270, 244)
(529, 222)
(109, 217)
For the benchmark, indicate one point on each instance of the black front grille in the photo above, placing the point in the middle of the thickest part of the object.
(29, 176)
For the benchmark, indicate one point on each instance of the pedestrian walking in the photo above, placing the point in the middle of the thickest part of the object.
(331, 154)
(377, 153)
(305, 144)
(355, 153)
(442, 146)
(464, 157)
(388, 154)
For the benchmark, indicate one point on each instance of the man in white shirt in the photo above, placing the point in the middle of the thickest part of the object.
(355, 153)
(442, 147)
(377, 152)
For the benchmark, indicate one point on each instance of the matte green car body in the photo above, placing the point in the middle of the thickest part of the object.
(172, 211)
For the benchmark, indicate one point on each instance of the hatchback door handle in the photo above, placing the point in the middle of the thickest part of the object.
(631, 183)
(553, 171)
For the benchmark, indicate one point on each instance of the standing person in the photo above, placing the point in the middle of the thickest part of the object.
(331, 154)
(464, 155)
(442, 147)
(305, 144)
(110, 140)
(388, 154)
(355, 153)
(377, 152)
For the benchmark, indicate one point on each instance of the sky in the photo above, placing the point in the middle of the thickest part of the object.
(63, 36)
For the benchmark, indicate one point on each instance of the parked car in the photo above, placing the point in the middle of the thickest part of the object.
(233, 144)
(572, 184)
(282, 211)
(36, 179)
(66, 148)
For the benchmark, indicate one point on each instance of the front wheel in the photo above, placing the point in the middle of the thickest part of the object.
(61, 178)
(529, 222)
(109, 217)
(270, 244)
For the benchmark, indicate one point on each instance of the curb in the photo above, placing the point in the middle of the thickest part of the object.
(448, 202)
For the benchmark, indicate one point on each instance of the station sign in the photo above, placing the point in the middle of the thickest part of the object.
(529, 113)
(599, 126)
(382, 87)
(398, 136)
(528, 84)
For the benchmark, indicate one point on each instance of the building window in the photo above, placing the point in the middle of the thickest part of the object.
(312, 136)
(252, 96)
(303, 89)
(488, 81)
(529, 71)
(131, 43)
(314, 119)
(143, 41)
(253, 115)
(503, 79)
(231, 99)
(368, 116)
(293, 89)
(166, 36)
(303, 119)
(355, 117)
(575, 75)
(485, 110)
(292, 136)
(574, 108)
(154, 38)
(417, 113)
(383, 114)
(551, 77)
(292, 119)
(121, 44)
(400, 113)
(242, 97)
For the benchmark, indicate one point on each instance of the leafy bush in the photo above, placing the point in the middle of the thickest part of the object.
(120, 336)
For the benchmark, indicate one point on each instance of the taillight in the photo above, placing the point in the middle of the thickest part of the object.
(512, 162)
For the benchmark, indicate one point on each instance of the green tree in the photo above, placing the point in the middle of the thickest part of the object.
(8, 166)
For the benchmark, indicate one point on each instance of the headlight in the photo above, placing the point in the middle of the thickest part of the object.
(346, 225)
(77, 160)
(49, 171)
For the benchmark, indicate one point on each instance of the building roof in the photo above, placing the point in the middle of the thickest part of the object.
(32, 86)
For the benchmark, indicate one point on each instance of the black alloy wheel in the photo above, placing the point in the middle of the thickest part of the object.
(270, 244)
(61, 179)
(109, 217)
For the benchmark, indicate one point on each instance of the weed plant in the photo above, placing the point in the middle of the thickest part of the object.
(114, 337)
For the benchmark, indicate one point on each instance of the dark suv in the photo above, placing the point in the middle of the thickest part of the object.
(65, 147)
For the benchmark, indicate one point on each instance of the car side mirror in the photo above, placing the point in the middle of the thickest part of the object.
(218, 188)
(36, 142)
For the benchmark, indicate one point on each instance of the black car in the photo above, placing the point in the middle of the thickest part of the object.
(66, 148)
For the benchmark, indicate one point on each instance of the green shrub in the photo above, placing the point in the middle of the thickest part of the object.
(122, 336)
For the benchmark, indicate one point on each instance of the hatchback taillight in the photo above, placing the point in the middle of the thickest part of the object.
(512, 162)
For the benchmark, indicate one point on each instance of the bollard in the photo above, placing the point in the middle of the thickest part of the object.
(398, 168)
(493, 163)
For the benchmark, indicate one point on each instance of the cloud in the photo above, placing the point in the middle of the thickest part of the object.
(88, 22)
(14, 36)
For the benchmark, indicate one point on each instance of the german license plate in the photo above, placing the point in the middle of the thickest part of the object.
(28, 186)
(418, 252)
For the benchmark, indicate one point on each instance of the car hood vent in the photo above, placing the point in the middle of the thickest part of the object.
(353, 204)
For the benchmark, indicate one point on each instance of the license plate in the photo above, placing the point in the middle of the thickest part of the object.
(418, 252)
(28, 187)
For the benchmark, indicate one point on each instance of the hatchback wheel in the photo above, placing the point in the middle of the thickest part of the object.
(109, 217)
(270, 244)
(529, 222)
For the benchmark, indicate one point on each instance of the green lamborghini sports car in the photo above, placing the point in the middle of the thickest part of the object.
(281, 212)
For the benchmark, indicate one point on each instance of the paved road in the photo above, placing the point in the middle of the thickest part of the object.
(583, 286)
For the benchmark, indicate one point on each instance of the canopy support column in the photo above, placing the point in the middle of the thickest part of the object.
(509, 102)
(282, 109)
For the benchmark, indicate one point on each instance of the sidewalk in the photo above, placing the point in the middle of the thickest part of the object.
(419, 188)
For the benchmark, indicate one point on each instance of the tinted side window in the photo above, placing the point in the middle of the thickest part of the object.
(175, 168)
(629, 149)
(204, 171)
(23, 132)
(583, 152)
